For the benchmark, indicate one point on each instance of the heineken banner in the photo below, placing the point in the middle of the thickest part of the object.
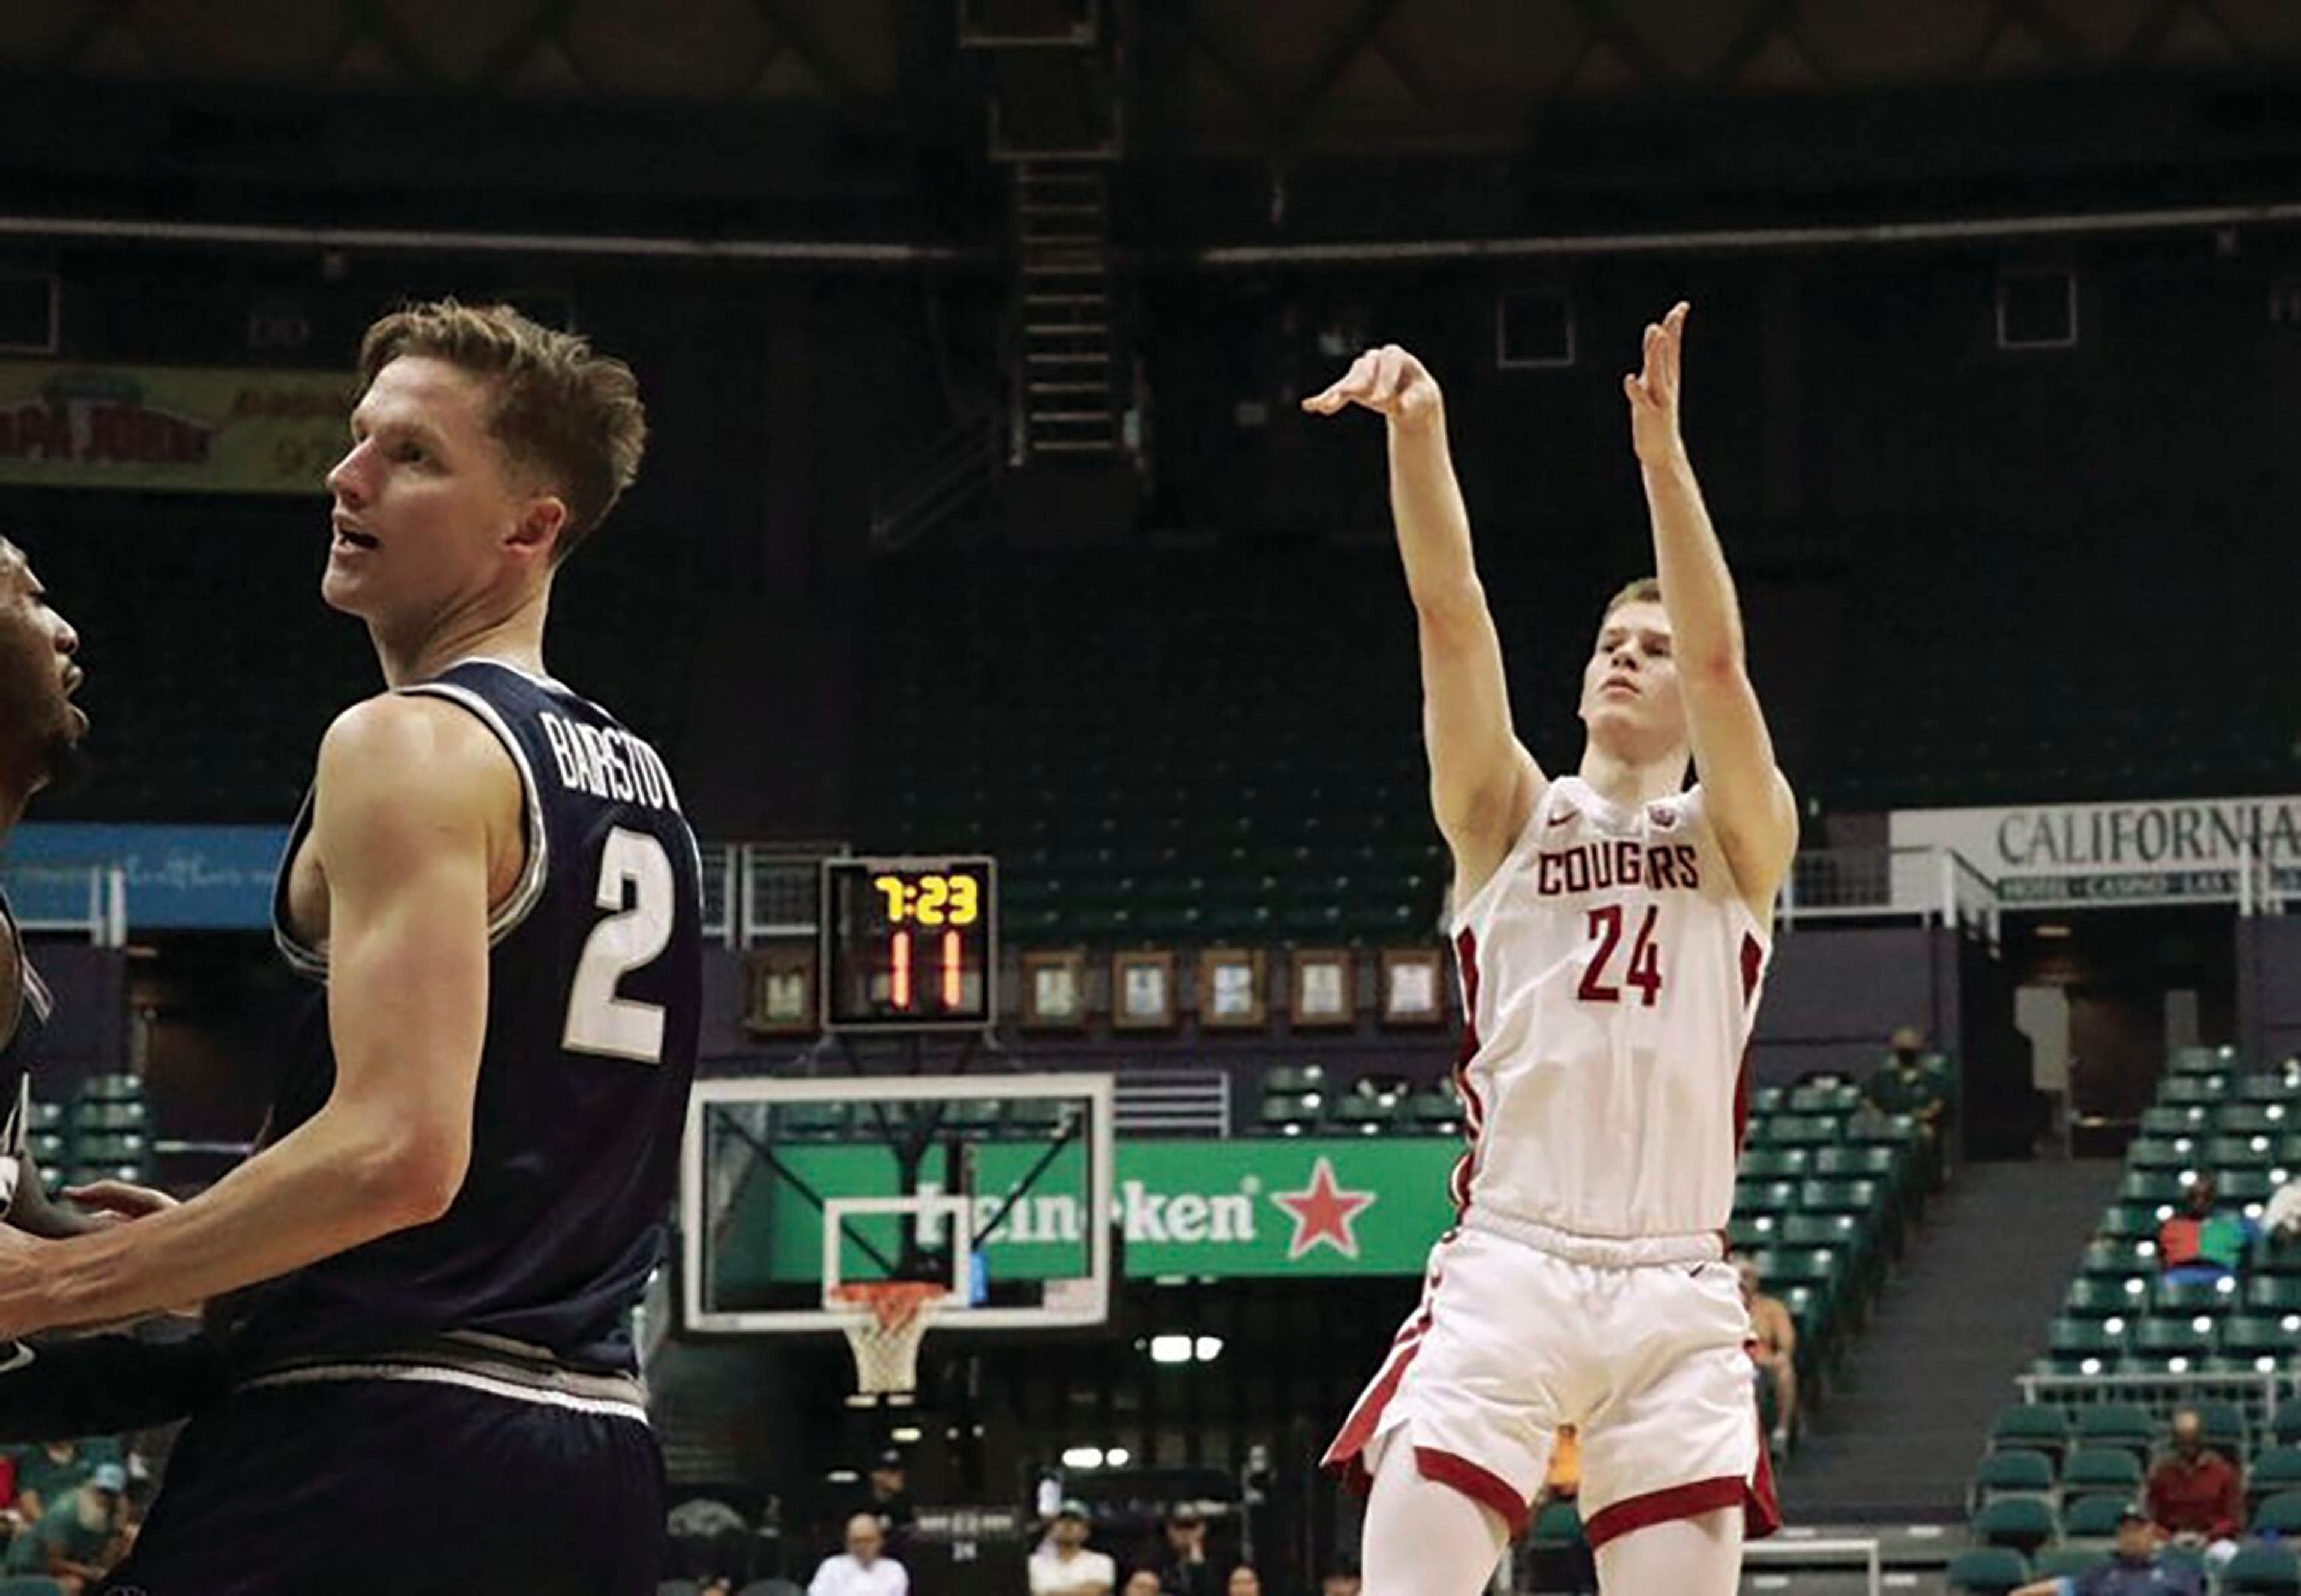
(1272, 1207)
(2097, 852)
(215, 430)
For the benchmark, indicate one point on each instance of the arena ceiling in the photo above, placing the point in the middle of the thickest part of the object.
(1226, 75)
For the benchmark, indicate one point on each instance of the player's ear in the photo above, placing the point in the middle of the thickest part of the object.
(542, 522)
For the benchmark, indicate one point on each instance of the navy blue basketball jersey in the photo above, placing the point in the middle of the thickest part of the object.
(594, 991)
(33, 1006)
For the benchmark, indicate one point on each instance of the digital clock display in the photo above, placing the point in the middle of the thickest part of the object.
(908, 943)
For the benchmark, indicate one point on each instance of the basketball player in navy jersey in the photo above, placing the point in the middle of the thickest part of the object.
(421, 1282)
(40, 732)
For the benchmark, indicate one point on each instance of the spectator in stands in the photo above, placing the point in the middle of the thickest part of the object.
(81, 1535)
(889, 1497)
(2197, 1246)
(1342, 1578)
(862, 1569)
(1142, 1581)
(1182, 1566)
(2196, 1497)
(1562, 1482)
(1774, 1349)
(2134, 1570)
(1243, 1582)
(1903, 1084)
(48, 1473)
(1066, 1567)
(2283, 1217)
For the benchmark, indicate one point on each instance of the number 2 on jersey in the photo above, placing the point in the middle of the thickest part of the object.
(1645, 958)
(597, 1020)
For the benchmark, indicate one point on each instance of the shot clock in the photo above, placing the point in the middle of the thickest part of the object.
(910, 944)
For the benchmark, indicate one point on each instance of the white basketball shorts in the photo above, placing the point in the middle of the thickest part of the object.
(1642, 1345)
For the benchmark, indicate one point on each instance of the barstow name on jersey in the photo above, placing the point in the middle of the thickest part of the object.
(1618, 862)
(607, 763)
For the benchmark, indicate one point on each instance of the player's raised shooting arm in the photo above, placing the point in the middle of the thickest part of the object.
(1749, 799)
(1483, 783)
(406, 786)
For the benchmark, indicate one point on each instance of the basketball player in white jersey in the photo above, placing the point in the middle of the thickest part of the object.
(1612, 929)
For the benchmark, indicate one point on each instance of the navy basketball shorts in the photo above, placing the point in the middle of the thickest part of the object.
(412, 1482)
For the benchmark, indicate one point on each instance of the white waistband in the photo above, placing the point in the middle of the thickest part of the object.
(1602, 1252)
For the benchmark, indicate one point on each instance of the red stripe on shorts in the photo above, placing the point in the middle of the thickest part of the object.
(1480, 1485)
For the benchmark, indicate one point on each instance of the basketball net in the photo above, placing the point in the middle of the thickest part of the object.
(886, 1320)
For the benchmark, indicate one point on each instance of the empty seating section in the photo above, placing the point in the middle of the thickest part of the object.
(103, 1133)
(2141, 1346)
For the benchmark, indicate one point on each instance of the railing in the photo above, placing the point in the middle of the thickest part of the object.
(1172, 1102)
(754, 890)
(1933, 884)
(90, 899)
(956, 470)
(2257, 1394)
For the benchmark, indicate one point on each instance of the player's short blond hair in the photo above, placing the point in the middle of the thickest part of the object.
(560, 408)
(1647, 589)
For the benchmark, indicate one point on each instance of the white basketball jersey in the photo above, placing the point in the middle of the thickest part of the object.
(1610, 973)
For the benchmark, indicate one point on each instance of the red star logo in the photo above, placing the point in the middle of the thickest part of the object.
(1322, 1213)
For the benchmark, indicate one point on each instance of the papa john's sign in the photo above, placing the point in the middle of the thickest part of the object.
(2154, 851)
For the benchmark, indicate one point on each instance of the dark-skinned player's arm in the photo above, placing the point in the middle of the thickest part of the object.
(408, 790)
(1483, 784)
(1749, 801)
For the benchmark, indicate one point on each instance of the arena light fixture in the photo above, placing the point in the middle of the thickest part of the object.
(1170, 1349)
(1118, 1457)
(1207, 1348)
(1082, 1457)
(907, 1435)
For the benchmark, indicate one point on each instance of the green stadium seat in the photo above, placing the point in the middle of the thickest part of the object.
(2092, 1517)
(1765, 1196)
(47, 1116)
(133, 1114)
(1881, 1130)
(2159, 1154)
(2182, 1091)
(1778, 1162)
(1365, 1114)
(1797, 1129)
(1436, 1112)
(2128, 1221)
(2199, 1060)
(2225, 1428)
(2037, 1426)
(2188, 1299)
(2150, 1187)
(2016, 1472)
(2274, 1294)
(1832, 1099)
(2273, 1469)
(109, 1149)
(2066, 1562)
(1294, 1080)
(1778, 1267)
(2119, 1260)
(1748, 1234)
(1843, 1231)
(2261, 1571)
(1839, 1197)
(2021, 1524)
(2069, 1343)
(112, 1089)
(2287, 1425)
(1856, 1162)
(2245, 1187)
(2257, 1119)
(2269, 1086)
(1986, 1571)
(1767, 1099)
(2090, 1298)
(1291, 1116)
(2250, 1337)
(2184, 1119)
(47, 1147)
(2089, 1469)
(2126, 1425)
(2258, 1151)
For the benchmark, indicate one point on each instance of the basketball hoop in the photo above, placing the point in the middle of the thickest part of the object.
(886, 1320)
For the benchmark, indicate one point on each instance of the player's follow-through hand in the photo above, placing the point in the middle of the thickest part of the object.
(1388, 381)
(1653, 389)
